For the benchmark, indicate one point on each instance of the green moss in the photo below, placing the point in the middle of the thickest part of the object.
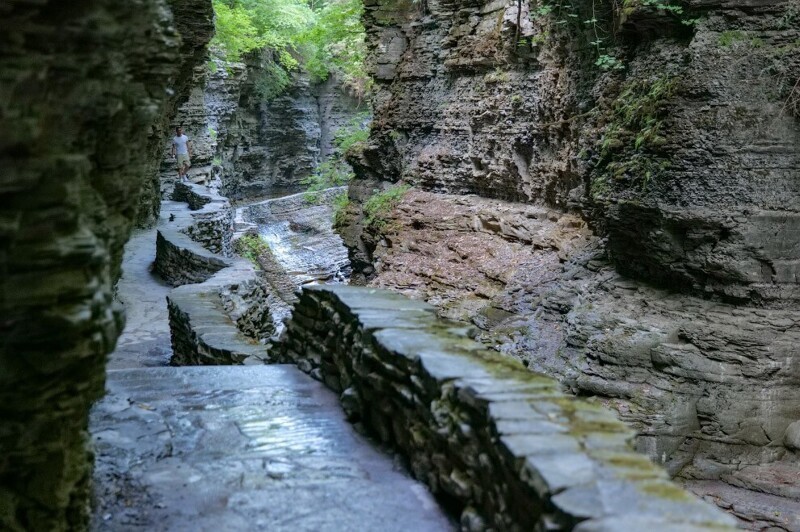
(378, 207)
(727, 38)
(497, 76)
(633, 133)
(665, 490)
(251, 247)
(631, 461)
(340, 205)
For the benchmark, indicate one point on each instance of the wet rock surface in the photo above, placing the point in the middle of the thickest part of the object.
(142, 293)
(228, 447)
(242, 448)
(299, 232)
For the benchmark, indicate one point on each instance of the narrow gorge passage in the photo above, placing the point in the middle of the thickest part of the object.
(571, 230)
(230, 447)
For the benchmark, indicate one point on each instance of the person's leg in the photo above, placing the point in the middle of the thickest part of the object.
(183, 166)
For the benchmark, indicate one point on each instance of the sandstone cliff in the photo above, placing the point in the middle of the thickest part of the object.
(677, 170)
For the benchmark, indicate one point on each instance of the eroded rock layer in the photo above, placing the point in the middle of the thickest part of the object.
(82, 111)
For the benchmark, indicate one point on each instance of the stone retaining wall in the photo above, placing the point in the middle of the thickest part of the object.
(203, 333)
(191, 195)
(180, 260)
(500, 445)
(219, 312)
(212, 217)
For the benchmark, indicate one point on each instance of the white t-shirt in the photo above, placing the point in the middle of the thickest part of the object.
(180, 143)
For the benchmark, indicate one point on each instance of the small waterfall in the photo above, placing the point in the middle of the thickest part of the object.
(300, 235)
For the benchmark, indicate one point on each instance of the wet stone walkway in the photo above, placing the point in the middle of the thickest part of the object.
(242, 448)
(231, 448)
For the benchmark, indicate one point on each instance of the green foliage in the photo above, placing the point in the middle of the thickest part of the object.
(664, 5)
(340, 205)
(326, 37)
(271, 81)
(727, 38)
(354, 135)
(251, 247)
(497, 76)
(236, 33)
(595, 23)
(633, 130)
(331, 173)
(378, 207)
(335, 43)
(609, 62)
(335, 171)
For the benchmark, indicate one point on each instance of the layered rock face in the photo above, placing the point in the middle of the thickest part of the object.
(205, 117)
(84, 91)
(684, 165)
(194, 22)
(271, 146)
(257, 148)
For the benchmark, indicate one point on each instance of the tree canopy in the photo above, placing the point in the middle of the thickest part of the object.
(324, 36)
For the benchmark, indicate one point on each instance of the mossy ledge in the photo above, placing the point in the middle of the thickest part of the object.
(500, 446)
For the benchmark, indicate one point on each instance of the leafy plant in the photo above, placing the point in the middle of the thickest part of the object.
(595, 22)
(340, 205)
(336, 44)
(325, 37)
(727, 38)
(335, 171)
(251, 247)
(379, 205)
(635, 124)
(609, 62)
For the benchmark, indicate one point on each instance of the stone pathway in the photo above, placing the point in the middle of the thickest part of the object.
(242, 448)
(231, 448)
(145, 340)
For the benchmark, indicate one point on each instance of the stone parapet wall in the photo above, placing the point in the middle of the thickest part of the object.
(180, 260)
(191, 195)
(211, 217)
(219, 314)
(498, 444)
(204, 334)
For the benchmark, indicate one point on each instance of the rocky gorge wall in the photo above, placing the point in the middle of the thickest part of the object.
(194, 22)
(256, 148)
(271, 146)
(677, 170)
(82, 115)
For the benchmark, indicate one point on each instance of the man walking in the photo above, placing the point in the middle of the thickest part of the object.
(182, 147)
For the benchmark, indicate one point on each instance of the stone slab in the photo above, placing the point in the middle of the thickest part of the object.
(242, 448)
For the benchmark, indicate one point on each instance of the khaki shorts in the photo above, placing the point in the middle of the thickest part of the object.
(183, 159)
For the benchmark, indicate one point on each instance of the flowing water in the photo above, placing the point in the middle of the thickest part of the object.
(300, 235)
